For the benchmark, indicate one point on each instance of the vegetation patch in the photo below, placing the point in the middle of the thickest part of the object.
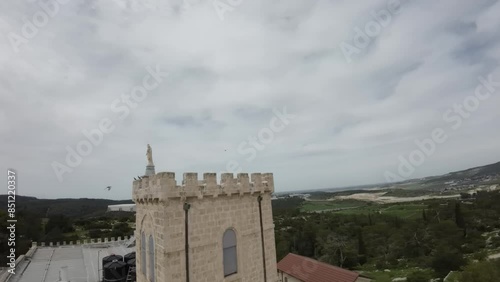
(418, 240)
(403, 193)
(308, 206)
(329, 195)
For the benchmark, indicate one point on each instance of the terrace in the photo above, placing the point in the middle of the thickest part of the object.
(83, 263)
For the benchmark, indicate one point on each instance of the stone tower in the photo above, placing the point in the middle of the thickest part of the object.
(203, 230)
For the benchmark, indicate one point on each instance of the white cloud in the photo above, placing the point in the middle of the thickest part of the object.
(353, 120)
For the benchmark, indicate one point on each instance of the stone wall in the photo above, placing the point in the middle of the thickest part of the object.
(214, 208)
(284, 277)
(6, 275)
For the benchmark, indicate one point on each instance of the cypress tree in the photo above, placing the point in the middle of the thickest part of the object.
(459, 218)
(361, 248)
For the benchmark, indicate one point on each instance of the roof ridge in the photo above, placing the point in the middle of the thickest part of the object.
(324, 263)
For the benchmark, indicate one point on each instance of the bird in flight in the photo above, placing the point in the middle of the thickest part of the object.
(109, 188)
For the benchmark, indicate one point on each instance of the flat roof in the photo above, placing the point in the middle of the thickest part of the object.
(122, 205)
(84, 262)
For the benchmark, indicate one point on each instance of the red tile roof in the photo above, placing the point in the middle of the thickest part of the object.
(309, 270)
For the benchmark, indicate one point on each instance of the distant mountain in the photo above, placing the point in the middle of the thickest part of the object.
(70, 207)
(85, 207)
(475, 173)
(478, 171)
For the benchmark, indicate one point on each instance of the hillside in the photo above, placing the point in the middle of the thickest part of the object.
(83, 207)
(471, 173)
(487, 174)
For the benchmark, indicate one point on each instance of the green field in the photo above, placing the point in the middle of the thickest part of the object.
(402, 210)
(324, 196)
(311, 206)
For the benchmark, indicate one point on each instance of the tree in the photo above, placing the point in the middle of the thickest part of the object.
(96, 233)
(487, 271)
(418, 276)
(459, 218)
(282, 248)
(361, 248)
(464, 196)
(121, 229)
(30, 226)
(340, 251)
(389, 242)
(54, 235)
(61, 222)
(446, 260)
(446, 233)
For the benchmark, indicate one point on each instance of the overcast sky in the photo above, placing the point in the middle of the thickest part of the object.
(359, 102)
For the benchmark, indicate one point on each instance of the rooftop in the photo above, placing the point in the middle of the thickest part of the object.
(84, 262)
(310, 270)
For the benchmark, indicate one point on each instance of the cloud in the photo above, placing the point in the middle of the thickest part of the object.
(226, 76)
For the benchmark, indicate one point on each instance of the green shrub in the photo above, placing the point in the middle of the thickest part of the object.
(418, 276)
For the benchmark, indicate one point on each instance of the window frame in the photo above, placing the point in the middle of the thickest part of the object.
(143, 254)
(229, 244)
(151, 256)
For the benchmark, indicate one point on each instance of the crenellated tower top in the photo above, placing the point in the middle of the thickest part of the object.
(163, 186)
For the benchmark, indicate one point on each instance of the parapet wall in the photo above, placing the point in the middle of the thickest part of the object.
(163, 186)
(81, 242)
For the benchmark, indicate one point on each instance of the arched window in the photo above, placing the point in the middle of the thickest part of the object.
(230, 258)
(151, 254)
(143, 253)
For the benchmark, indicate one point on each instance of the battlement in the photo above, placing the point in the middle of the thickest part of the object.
(163, 186)
(81, 242)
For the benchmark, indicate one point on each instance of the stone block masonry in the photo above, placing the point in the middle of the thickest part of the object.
(163, 186)
(213, 208)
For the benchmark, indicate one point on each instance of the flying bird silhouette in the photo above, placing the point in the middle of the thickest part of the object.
(109, 188)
